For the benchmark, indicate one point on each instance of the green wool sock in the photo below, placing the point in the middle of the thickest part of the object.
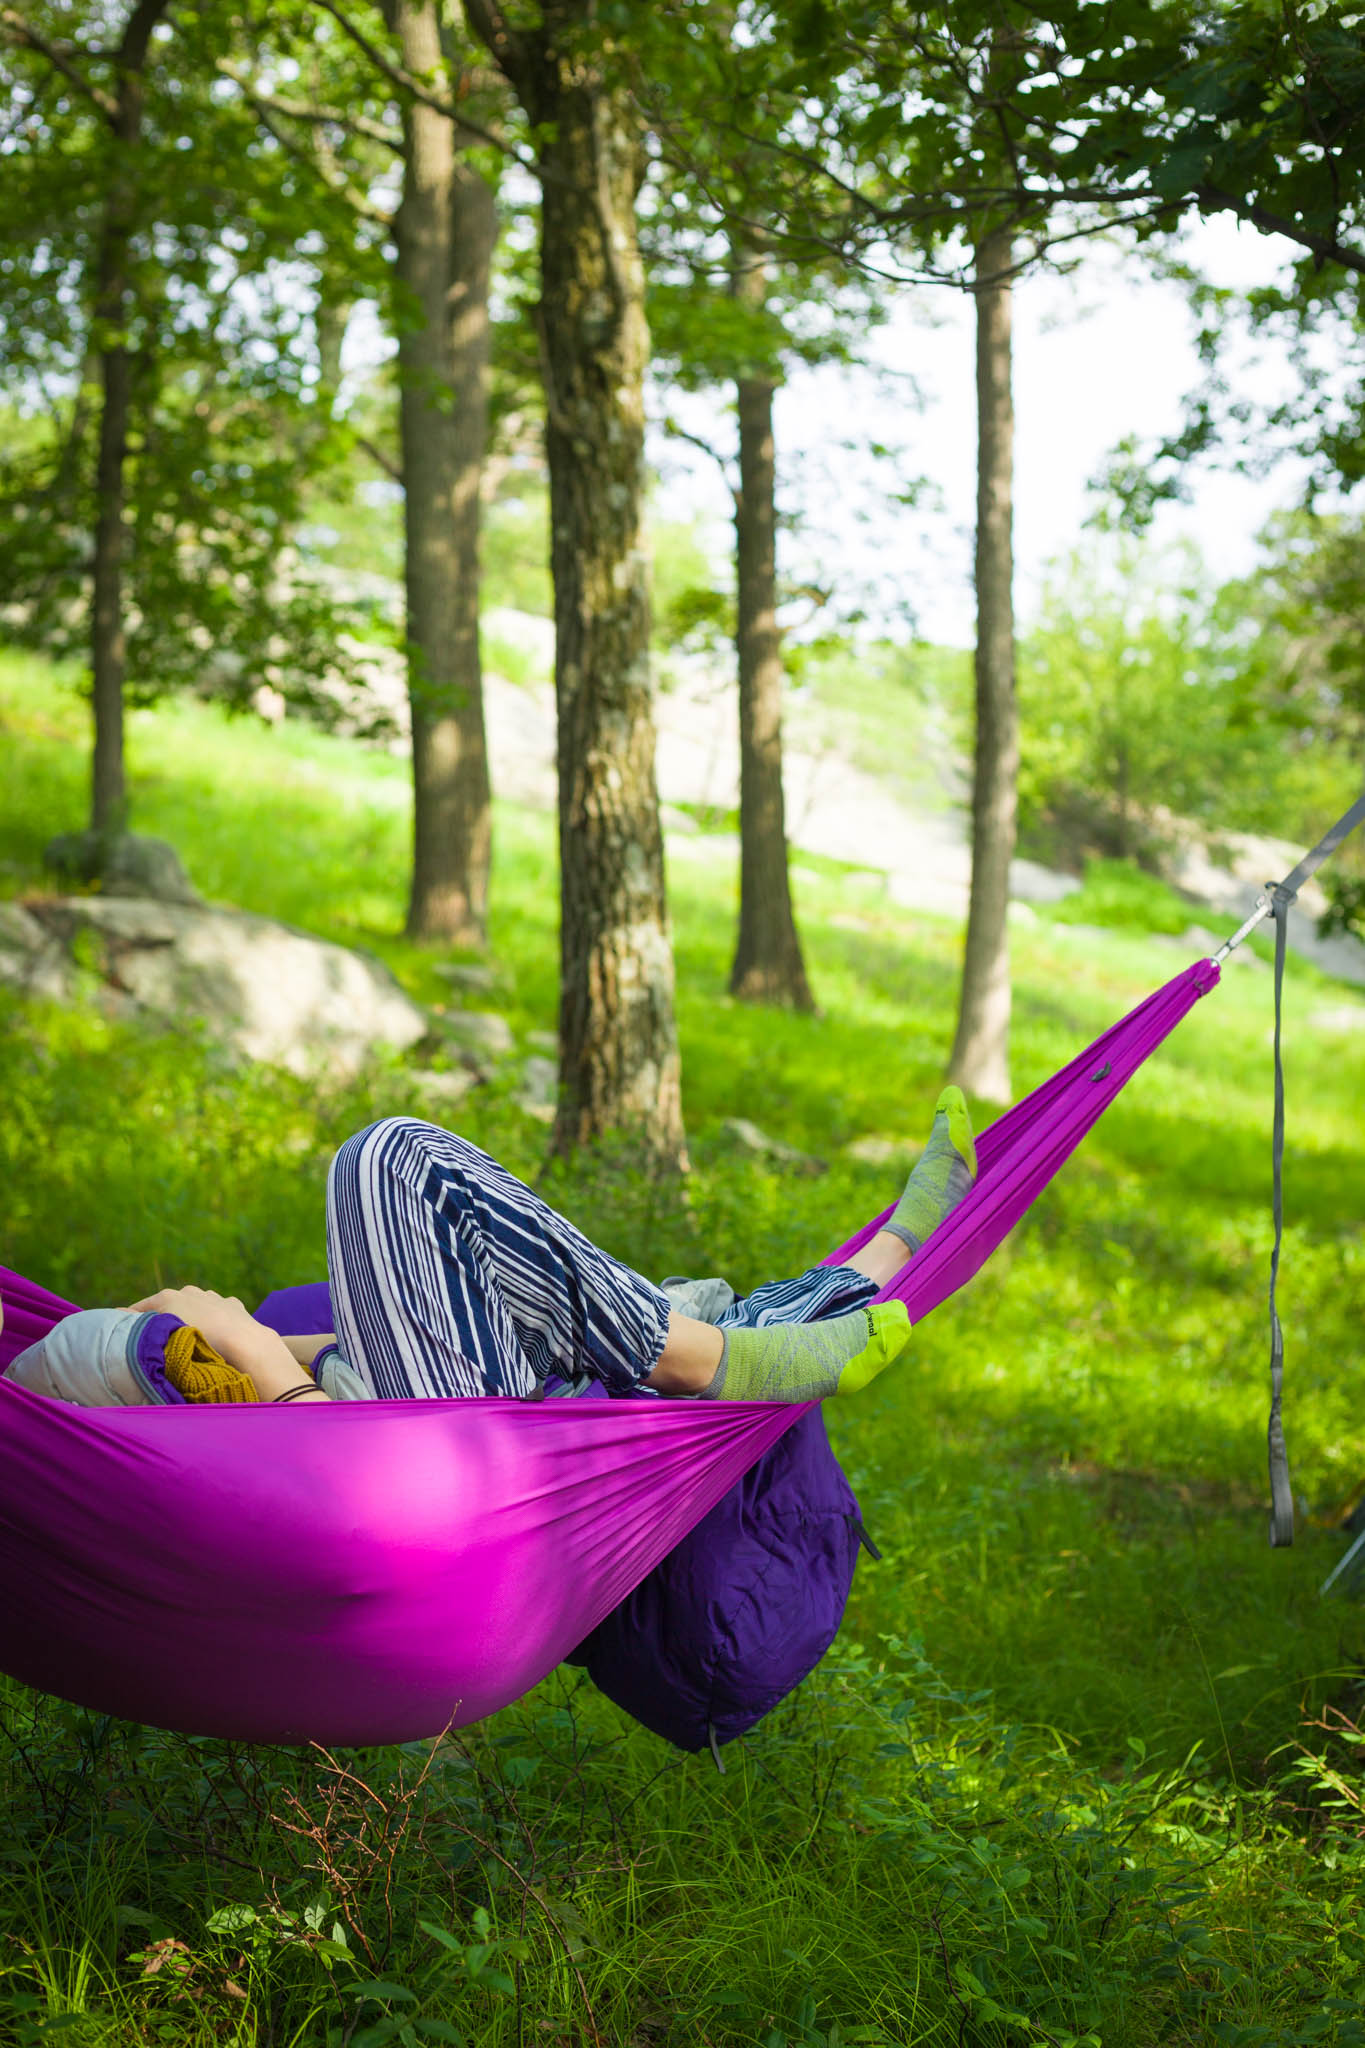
(810, 1361)
(945, 1173)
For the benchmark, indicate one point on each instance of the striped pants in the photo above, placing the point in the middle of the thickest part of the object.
(450, 1278)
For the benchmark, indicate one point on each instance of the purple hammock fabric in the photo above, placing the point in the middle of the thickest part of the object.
(375, 1572)
(740, 1610)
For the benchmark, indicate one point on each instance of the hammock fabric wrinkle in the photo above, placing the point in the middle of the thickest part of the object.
(376, 1571)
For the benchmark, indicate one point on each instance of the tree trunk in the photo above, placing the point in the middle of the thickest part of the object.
(109, 797)
(768, 967)
(980, 1056)
(444, 232)
(619, 1065)
(108, 790)
(618, 1040)
(330, 320)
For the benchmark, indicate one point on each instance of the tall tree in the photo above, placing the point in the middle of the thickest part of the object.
(619, 1064)
(980, 1056)
(768, 966)
(119, 108)
(935, 133)
(724, 312)
(159, 462)
(107, 651)
(445, 232)
(407, 94)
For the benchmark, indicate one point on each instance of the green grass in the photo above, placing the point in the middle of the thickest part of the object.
(1042, 1789)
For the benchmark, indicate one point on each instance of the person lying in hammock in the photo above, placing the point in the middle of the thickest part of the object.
(450, 1278)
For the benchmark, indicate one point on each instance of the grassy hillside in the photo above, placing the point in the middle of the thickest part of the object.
(1043, 1789)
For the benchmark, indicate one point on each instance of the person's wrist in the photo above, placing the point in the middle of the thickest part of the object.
(269, 1365)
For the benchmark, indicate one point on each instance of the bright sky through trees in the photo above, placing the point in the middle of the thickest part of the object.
(1106, 352)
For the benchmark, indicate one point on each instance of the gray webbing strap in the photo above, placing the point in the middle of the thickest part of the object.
(1281, 1496)
(1328, 844)
(1281, 897)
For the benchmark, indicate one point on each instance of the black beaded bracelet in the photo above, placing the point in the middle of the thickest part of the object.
(293, 1393)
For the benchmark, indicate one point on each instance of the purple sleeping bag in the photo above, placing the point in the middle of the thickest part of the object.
(737, 1613)
(744, 1608)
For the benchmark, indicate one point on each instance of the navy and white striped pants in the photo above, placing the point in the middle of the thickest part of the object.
(451, 1278)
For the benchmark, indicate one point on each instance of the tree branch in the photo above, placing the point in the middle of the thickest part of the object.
(678, 433)
(407, 82)
(395, 73)
(60, 58)
(507, 49)
(302, 110)
(132, 50)
(393, 470)
(1326, 248)
(323, 167)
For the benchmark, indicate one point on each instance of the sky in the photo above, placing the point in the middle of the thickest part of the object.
(1103, 353)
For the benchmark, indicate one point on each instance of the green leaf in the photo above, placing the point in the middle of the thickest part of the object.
(443, 1936)
(231, 1919)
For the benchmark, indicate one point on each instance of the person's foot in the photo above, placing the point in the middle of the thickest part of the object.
(810, 1361)
(945, 1173)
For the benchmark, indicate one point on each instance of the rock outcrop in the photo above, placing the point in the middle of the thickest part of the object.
(128, 864)
(269, 992)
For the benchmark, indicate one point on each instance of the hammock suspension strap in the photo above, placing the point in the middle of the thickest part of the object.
(1281, 1494)
(1275, 901)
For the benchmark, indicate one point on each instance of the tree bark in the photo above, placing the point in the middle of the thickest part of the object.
(980, 1056)
(768, 967)
(445, 231)
(331, 320)
(619, 1066)
(108, 655)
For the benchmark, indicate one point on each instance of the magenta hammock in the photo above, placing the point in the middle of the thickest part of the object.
(375, 1572)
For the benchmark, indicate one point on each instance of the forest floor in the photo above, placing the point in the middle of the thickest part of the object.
(1083, 1763)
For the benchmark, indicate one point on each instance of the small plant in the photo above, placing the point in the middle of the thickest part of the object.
(460, 1974)
(1345, 912)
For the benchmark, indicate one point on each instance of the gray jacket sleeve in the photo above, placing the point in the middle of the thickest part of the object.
(704, 1300)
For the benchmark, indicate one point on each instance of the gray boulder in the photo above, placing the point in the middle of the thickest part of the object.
(31, 960)
(270, 993)
(475, 974)
(881, 1152)
(1030, 883)
(444, 1086)
(539, 1092)
(127, 864)
(483, 1033)
(747, 1137)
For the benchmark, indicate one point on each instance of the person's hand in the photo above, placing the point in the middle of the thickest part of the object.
(221, 1318)
(251, 1346)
